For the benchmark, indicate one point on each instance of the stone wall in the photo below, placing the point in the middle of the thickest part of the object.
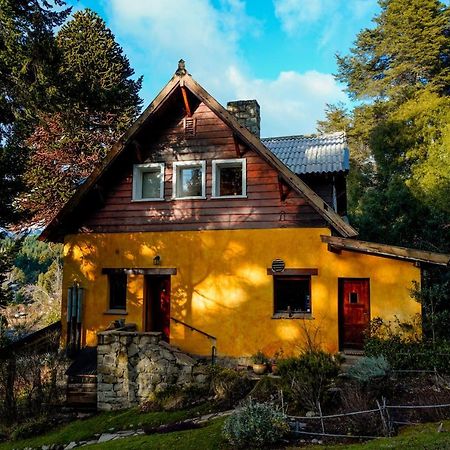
(132, 365)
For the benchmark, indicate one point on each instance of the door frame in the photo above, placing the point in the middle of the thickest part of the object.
(147, 278)
(341, 306)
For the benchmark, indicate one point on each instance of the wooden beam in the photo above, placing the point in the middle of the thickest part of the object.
(294, 272)
(141, 271)
(186, 101)
(138, 151)
(239, 153)
(334, 249)
(284, 190)
(387, 251)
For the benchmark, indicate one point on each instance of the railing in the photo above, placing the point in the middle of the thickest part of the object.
(212, 338)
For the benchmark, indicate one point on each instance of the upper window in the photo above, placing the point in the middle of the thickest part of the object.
(292, 295)
(117, 290)
(148, 181)
(189, 179)
(229, 178)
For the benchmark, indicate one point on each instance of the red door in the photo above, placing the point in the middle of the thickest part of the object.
(157, 304)
(354, 311)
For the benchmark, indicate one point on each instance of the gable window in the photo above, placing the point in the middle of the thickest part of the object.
(148, 182)
(117, 291)
(189, 179)
(229, 178)
(292, 295)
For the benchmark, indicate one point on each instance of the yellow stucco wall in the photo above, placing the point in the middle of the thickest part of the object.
(222, 286)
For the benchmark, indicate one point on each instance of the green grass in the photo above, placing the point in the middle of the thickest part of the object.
(207, 438)
(423, 437)
(80, 430)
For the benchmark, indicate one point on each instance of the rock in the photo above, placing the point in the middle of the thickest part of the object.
(310, 414)
(72, 445)
(105, 437)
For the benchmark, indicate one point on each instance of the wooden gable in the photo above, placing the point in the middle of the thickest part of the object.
(269, 203)
(275, 193)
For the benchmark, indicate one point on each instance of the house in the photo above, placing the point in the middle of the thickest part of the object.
(195, 227)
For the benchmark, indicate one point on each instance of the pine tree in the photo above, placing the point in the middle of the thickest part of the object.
(98, 101)
(27, 84)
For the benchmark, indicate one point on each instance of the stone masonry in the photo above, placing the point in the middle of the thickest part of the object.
(132, 365)
(247, 113)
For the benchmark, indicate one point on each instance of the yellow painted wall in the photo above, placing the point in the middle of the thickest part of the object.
(222, 286)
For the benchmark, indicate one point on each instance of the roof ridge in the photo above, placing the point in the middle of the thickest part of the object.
(308, 136)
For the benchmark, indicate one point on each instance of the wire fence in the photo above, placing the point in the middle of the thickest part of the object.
(387, 422)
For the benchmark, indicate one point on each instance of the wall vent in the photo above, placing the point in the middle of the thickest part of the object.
(189, 126)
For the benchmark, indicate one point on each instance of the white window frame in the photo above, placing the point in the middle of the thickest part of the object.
(138, 170)
(216, 164)
(187, 164)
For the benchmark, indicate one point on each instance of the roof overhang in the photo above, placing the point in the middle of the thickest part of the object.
(337, 244)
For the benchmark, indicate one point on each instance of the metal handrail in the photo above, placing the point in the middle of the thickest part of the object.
(209, 336)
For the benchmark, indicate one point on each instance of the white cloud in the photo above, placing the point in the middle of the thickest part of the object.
(290, 104)
(207, 37)
(297, 15)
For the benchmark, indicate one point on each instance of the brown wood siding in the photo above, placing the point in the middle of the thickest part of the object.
(262, 208)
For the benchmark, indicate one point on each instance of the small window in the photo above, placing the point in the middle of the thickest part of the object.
(117, 291)
(189, 179)
(292, 295)
(148, 182)
(353, 297)
(229, 178)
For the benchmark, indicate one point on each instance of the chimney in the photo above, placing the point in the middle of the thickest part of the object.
(247, 114)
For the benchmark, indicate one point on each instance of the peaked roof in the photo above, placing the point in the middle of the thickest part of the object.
(323, 153)
(182, 79)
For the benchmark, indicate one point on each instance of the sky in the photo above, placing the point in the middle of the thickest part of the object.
(279, 52)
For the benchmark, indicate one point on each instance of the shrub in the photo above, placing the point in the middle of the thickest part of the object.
(308, 376)
(229, 386)
(31, 428)
(256, 425)
(368, 368)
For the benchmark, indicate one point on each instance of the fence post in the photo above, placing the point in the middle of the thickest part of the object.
(383, 420)
(321, 417)
(388, 417)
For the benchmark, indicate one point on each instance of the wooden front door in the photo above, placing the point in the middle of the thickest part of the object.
(354, 312)
(157, 304)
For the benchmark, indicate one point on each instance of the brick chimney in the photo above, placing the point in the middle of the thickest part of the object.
(247, 114)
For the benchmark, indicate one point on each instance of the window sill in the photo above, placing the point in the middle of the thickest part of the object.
(306, 316)
(116, 312)
(189, 198)
(147, 199)
(227, 197)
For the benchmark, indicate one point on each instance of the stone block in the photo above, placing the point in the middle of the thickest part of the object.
(184, 359)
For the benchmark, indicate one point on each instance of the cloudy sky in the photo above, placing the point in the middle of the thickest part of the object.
(280, 52)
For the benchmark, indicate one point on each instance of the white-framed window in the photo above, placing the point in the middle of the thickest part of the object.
(148, 182)
(229, 178)
(189, 179)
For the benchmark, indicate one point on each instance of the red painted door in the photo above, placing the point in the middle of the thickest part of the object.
(354, 312)
(157, 304)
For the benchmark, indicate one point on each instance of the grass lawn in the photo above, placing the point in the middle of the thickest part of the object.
(209, 437)
(79, 430)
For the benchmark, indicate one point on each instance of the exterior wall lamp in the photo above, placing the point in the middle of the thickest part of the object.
(157, 260)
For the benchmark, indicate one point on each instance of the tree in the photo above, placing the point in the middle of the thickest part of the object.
(100, 101)
(27, 84)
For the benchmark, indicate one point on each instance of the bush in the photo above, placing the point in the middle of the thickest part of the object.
(31, 428)
(256, 425)
(400, 343)
(260, 358)
(308, 376)
(229, 386)
(368, 368)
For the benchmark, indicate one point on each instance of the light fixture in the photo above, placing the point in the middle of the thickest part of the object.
(157, 260)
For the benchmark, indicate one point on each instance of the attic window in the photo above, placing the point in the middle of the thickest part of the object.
(189, 126)
(189, 179)
(148, 182)
(229, 178)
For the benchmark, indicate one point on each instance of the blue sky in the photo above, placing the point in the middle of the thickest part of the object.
(280, 52)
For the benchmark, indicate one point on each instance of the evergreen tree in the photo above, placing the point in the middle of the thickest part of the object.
(100, 101)
(27, 84)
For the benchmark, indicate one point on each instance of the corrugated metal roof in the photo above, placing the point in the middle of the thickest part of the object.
(322, 153)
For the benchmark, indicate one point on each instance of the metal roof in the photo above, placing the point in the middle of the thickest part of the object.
(322, 153)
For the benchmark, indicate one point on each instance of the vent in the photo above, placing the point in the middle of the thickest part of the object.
(278, 265)
(189, 126)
